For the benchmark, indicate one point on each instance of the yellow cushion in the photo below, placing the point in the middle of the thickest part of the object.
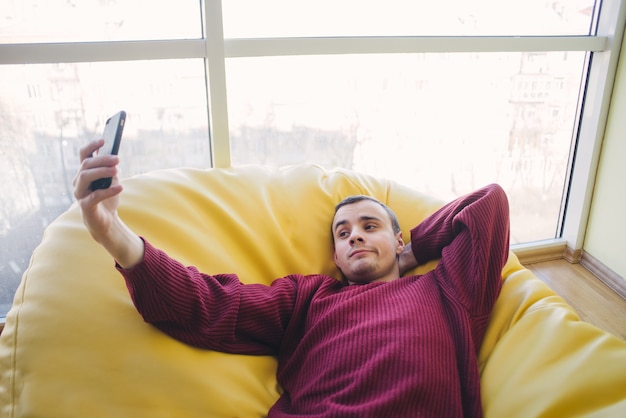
(74, 346)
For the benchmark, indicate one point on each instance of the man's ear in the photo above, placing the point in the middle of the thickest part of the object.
(400, 243)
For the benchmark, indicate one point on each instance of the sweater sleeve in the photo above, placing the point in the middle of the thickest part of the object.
(471, 236)
(214, 312)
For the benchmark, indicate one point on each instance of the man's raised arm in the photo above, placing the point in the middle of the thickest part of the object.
(99, 208)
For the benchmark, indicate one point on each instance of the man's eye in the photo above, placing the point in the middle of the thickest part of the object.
(342, 234)
(367, 227)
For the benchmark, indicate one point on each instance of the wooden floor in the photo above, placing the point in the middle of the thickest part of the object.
(592, 300)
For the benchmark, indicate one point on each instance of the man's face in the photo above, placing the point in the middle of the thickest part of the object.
(366, 247)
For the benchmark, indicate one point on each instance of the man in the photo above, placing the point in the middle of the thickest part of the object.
(376, 344)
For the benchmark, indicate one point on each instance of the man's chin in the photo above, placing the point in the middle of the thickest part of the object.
(360, 277)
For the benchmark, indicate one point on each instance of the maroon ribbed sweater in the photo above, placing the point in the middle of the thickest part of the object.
(405, 348)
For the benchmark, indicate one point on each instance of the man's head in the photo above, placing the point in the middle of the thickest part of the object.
(367, 240)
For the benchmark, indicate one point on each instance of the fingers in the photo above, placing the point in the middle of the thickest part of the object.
(88, 150)
(91, 199)
(85, 177)
(93, 168)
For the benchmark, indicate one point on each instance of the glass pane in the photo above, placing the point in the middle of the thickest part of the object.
(287, 18)
(49, 111)
(444, 124)
(98, 20)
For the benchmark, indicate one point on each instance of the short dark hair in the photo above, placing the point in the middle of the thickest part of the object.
(395, 224)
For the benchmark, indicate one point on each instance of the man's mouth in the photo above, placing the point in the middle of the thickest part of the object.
(357, 252)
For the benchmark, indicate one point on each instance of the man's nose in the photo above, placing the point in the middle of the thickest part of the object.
(355, 236)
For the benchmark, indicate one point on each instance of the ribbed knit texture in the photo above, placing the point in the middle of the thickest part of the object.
(406, 348)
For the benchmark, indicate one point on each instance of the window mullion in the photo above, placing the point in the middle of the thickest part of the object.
(216, 83)
(217, 48)
(53, 53)
(237, 48)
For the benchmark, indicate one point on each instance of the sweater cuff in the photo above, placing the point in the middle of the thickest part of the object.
(149, 252)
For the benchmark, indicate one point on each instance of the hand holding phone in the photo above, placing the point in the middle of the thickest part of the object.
(112, 137)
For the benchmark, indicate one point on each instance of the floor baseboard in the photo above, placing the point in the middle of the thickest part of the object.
(607, 276)
(539, 252)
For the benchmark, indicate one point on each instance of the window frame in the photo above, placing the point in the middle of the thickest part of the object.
(603, 47)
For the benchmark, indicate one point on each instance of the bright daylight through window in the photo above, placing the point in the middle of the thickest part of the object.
(444, 122)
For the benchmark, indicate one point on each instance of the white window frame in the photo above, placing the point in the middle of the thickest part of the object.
(215, 49)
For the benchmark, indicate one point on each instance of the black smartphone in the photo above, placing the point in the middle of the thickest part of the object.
(112, 137)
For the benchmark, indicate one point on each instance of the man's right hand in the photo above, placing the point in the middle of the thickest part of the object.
(99, 207)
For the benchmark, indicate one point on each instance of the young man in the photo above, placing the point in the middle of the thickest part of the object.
(376, 344)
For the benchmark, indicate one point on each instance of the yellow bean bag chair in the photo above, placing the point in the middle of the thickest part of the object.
(74, 346)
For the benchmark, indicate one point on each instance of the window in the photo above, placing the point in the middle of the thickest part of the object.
(470, 122)
(442, 96)
(42, 133)
(28, 21)
(297, 18)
